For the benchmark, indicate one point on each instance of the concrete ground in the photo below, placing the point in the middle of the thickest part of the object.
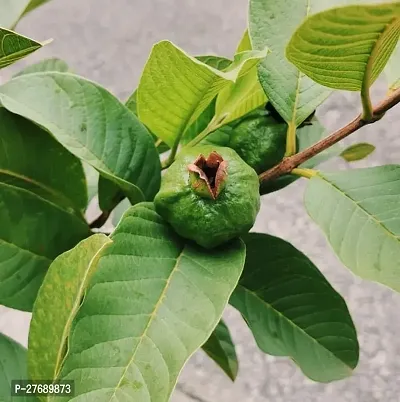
(109, 43)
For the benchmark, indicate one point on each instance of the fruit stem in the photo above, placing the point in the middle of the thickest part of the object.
(303, 172)
(291, 140)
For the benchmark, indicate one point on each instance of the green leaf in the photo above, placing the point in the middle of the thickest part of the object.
(272, 23)
(93, 125)
(57, 303)
(293, 311)
(33, 232)
(14, 47)
(200, 124)
(346, 48)
(46, 65)
(131, 104)
(358, 212)
(12, 367)
(31, 159)
(245, 43)
(153, 301)
(221, 349)
(240, 98)
(392, 69)
(218, 62)
(206, 116)
(176, 88)
(307, 135)
(357, 152)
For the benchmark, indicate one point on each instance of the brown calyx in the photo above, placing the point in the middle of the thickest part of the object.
(208, 175)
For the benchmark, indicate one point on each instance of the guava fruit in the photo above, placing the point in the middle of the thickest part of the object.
(259, 139)
(209, 195)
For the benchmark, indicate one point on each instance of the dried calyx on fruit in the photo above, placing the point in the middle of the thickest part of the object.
(208, 175)
(209, 195)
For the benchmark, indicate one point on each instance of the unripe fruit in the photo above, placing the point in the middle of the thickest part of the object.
(209, 195)
(259, 139)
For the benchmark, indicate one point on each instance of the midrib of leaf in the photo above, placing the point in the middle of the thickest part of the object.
(104, 167)
(385, 36)
(151, 318)
(357, 204)
(292, 124)
(21, 52)
(296, 327)
(78, 302)
(50, 190)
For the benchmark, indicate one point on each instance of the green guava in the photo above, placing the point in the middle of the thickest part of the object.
(209, 195)
(259, 139)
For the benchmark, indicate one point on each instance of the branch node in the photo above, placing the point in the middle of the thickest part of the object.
(291, 162)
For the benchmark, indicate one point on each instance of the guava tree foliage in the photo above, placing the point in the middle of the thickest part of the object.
(192, 150)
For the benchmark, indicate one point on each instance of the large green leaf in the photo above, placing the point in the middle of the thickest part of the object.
(356, 152)
(30, 158)
(33, 232)
(293, 311)
(392, 69)
(13, 10)
(221, 349)
(176, 88)
(131, 104)
(358, 212)
(93, 125)
(206, 116)
(46, 65)
(57, 303)
(272, 23)
(14, 47)
(12, 367)
(152, 302)
(346, 48)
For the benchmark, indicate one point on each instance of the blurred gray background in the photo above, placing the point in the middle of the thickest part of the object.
(109, 42)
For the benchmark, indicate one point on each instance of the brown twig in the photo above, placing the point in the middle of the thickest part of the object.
(288, 164)
(103, 217)
(100, 220)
